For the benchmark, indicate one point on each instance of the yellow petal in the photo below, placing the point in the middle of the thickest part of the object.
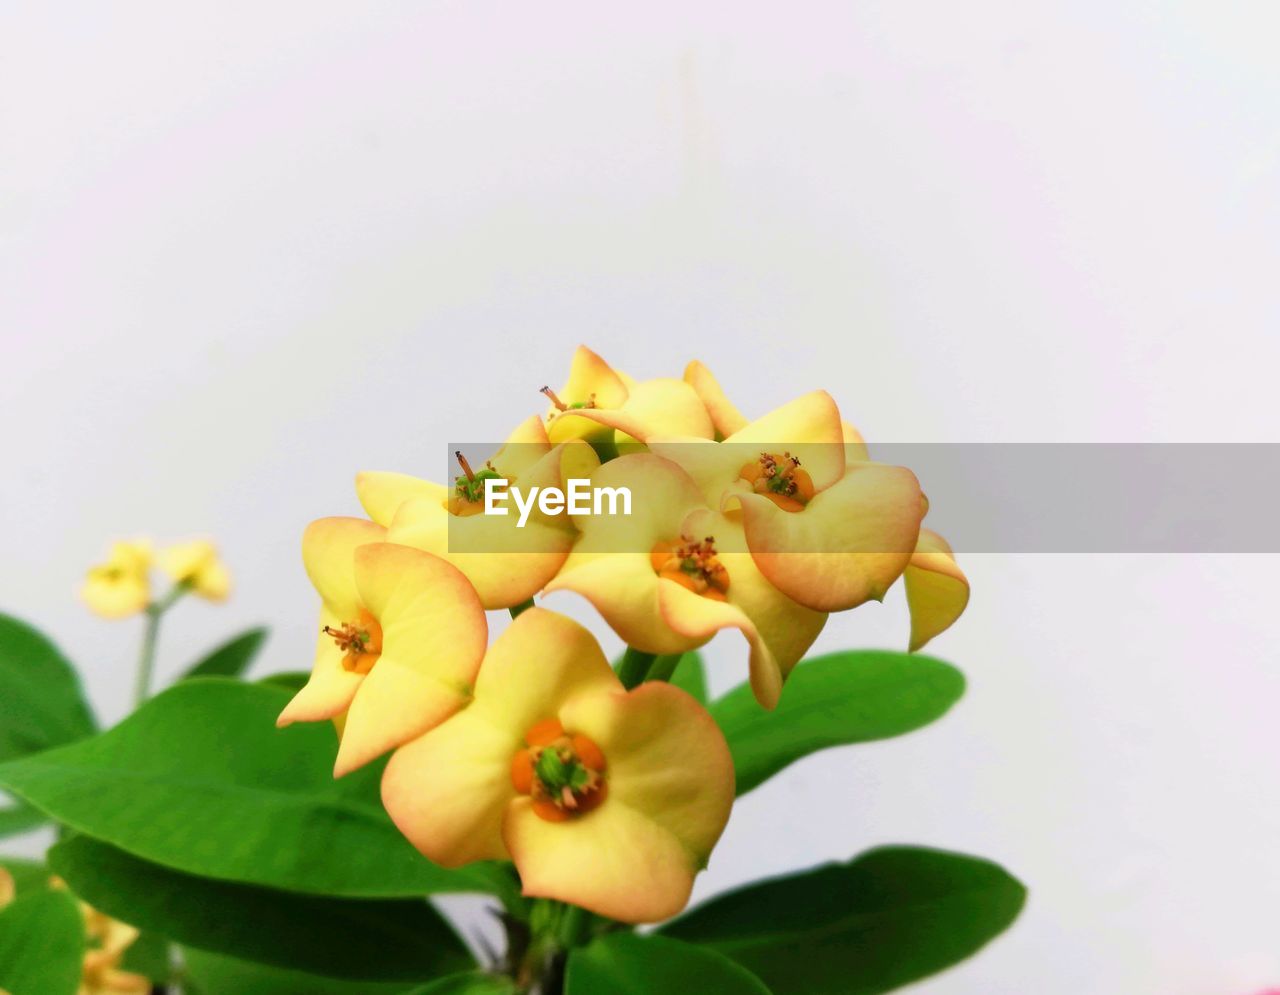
(855, 446)
(667, 759)
(447, 790)
(590, 377)
(7, 888)
(330, 688)
(527, 444)
(213, 581)
(515, 562)
(610, 565)
(701, 618)
(848, 545)
(381, 493)
(937, 589)
(113, 596)
(433, 638)
(328, 550)
(808, 427)
(614, 861)
(726, 418)
(664, 407)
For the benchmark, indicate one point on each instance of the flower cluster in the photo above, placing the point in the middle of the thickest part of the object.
(121, 586)
(606, 792)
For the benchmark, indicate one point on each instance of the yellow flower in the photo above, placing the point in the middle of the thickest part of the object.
(196, 564)
(402, 634)
(675, 572)
(7, 887)
(606, 798)
(108, 939)
(120, 587)
(937, 589)
(506, 564)
(596, 399)
(726, 418)
(826, 528)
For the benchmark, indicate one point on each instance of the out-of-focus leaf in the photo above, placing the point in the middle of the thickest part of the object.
(399, 940)
(15, 819)
(691, 675)
(41, 702)
(834, 700)
(469, 983)
(41, 945)
(199, 779)
(291, 680)
(629, 964)
(149, 955)
(215, 974)
(28, 875)
(232, 658)
(888, 917)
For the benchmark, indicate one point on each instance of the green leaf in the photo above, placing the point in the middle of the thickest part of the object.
(28, 875)
(214, 974)
(403, 940)
(199, 779)
(15, 819)
(149, 955)
(834, 700)
(232, 658)
(469, 983)
(291, 680)
(629, 964)
(691, 675)
(41, 945)
(41, 702)
(889, 917)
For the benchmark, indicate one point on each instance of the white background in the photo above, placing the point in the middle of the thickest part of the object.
(249, 249)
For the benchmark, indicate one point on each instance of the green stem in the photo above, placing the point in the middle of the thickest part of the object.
(150, 635)
(634, 667)
(517, 610)
(664, 667)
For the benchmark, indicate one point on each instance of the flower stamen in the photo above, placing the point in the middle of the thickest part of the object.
(562, 774)
(780, 479)
(693, 565)
(360, 643)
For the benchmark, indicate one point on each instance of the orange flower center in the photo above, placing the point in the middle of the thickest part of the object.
(693, 565)
(360, 642)
(780, 479)
(562, 773)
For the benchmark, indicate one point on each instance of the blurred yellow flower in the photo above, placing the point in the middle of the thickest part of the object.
(196, 565)
(606, 798)
(120, 587)
(108, 939)
(7, 888)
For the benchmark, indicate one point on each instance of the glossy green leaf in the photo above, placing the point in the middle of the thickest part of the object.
(199, 779)
(15, 819)
(41, 702)
(400, 940)
(691, 675)
(28, 875)
(629, 964)
(469, 983)
(889, 917)
(41, 945)
(232, 658)
(215, 974)
(834, 700)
